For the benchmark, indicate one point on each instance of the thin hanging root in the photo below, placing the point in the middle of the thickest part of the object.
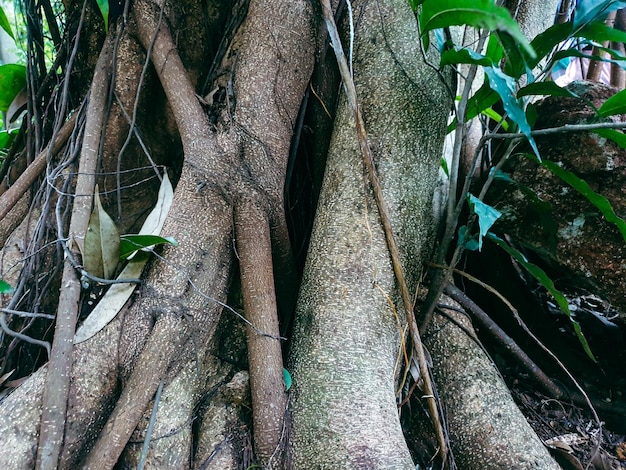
(386, 221)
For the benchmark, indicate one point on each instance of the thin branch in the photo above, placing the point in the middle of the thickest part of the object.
(368, 159)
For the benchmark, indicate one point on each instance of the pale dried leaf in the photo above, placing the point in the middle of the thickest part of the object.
(118, 294)
(101, 252)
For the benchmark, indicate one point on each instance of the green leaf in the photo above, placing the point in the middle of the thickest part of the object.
(483, 14)
(487, 216)
(470, 243)
(463, 56)
(4, 23)
(599, 31)
(287, 379)
(444, 166)
(491, 114)
(7, 138)
(131, 244)
(541, 276)
(616, 136)
(12, 80)
(589, 10)
(103, 5)
(545, 88)
(504, 85)
(415, 4)
(101, 253)
(5, 287)
(619, 60)
(616, 104)
(598, 200)
(544, 42)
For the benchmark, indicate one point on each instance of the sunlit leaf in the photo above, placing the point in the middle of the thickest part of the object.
(616, 104)
(5, 287)
(101, 253)
(103, 5)
(540, 275)
(4, 23)
(484, 14)
(598, 200)
(12, 80)
(616, 136)
(505, 87)
(7, 138)
(494, 115)
(118, 294)
(130, 244)
(487, 216)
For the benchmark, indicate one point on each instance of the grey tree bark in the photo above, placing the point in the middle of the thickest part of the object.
(349, 326)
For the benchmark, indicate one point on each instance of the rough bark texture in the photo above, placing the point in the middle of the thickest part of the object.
(487, 430)
(346, 338)
(533, 16)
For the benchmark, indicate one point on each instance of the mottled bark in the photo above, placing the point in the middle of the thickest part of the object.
(487, 430)
(348, 324)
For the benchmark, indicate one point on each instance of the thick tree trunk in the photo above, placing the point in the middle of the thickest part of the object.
(347, 337)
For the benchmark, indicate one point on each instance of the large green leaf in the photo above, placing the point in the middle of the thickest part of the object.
(616, 136)
(590, 10)
(477, 13)
(101, 253)
(541, 276)
(4, 23)
(487, 216)
(463, 56)
(103, 5)
(544, 42)
(598, 200)
(12, 80)
(504, 85)
(599, 31)
(616, 104)
(132, 243)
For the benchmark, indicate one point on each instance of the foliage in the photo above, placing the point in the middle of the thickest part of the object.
(5, 287)
(516, 72)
